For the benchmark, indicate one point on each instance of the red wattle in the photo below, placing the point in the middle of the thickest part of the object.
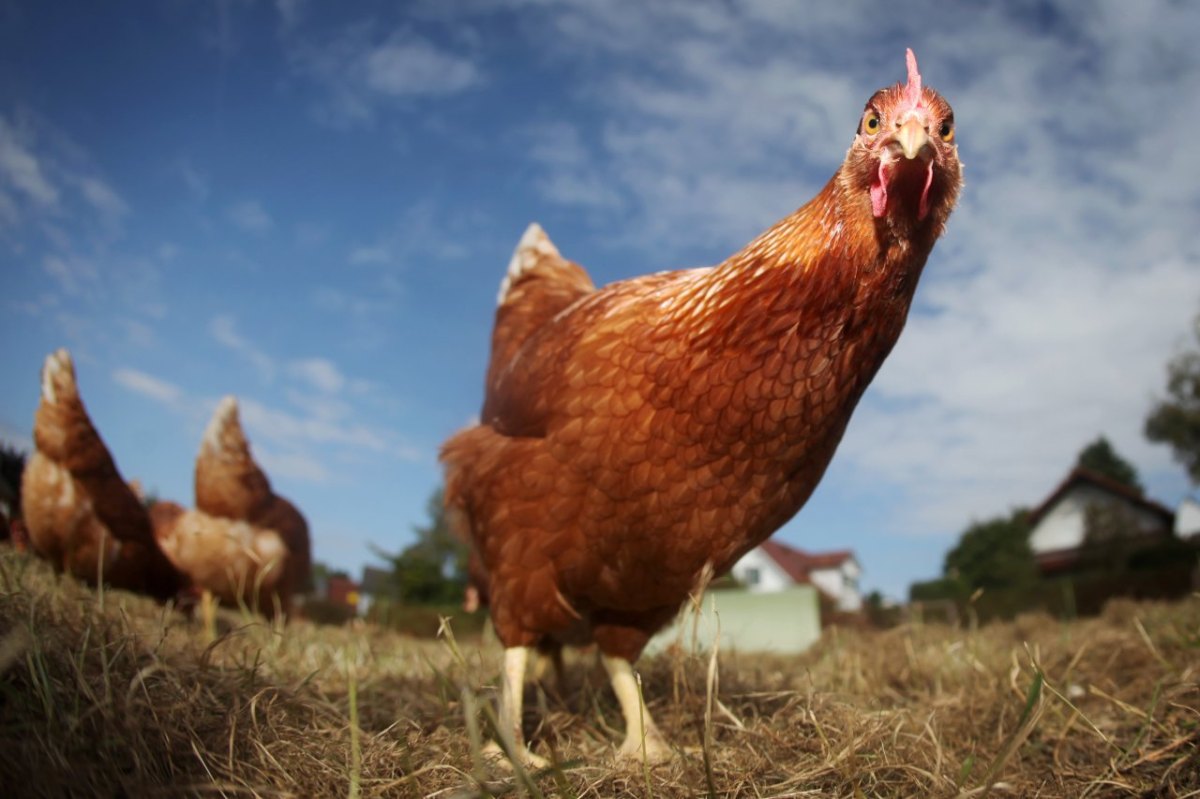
(879, 193)
(923, 208)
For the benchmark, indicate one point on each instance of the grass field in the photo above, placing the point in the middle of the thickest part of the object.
(106, 694)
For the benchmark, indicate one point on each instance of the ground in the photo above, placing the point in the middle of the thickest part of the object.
(108, 694)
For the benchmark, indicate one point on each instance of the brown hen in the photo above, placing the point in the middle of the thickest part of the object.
(80, 514)
(639, 436)
(243, 542)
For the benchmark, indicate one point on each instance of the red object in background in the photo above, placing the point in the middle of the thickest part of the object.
(343, 591)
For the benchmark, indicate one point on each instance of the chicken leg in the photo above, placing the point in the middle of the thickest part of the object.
(642, 738)
(512, 692)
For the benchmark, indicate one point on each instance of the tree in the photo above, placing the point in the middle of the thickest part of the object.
(434, 568)
(12, 466)
(1175, 421)
(993, 554)
(1100, 457)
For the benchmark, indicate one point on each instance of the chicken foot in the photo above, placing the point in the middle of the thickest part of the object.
(512, 692)
(642, 741)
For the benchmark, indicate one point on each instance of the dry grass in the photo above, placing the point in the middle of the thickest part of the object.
(129, 699)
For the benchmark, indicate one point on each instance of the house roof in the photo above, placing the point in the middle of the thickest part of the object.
(798, 564)
(1080, 476)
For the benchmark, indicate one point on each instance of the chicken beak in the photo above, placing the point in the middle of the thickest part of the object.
(912, 138)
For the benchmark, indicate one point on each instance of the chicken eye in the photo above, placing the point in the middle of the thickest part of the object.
(871, 123)
(946, 131)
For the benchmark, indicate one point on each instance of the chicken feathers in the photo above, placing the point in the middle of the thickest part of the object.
(80, 514)
(652, 431)
(243, 542)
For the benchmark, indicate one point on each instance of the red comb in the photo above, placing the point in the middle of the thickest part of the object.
(912, 92)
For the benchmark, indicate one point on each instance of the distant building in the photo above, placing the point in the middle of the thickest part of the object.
(1058, 526)
(1187, 519)
(775, 566)
(343, 591)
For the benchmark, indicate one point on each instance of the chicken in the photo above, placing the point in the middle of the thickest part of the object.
(639, 438)
(243, 542)
(80, 514)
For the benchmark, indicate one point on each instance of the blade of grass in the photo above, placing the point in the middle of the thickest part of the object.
(1025, 724)
(355, 745)
(710, 691)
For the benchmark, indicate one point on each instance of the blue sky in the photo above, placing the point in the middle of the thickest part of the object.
(311, 205)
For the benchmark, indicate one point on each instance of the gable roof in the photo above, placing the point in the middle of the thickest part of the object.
(1080, 476)
(798, 564)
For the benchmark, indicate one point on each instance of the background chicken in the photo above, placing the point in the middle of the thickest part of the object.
(637, 437)
(242, 542)
(80, 514)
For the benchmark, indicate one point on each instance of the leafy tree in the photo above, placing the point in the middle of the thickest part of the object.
(12, 466)
(1176, 420)
(320, 575)
(434, 568)
(1100, 457)
(993, 554)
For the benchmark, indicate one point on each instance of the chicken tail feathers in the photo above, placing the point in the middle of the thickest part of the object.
(538, 270)
(229, 482)
(63, 432)
(539, 285)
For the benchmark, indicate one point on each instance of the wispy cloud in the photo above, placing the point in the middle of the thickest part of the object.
(293, 465)
(406, 65)
(361, 70)
(103, 198)
(572, 175)
(297, 444)
(250, 216)
(138, 332)
(224, 331)
(149, 386)
(291, 12)
(319, 373)
(73, 275)
(195, 181)
(370, 255)
(21, 170)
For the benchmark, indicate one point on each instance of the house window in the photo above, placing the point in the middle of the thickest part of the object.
(751, 576)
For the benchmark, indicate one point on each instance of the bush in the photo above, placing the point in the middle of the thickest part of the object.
(319, 610)
(1086, 594)
(423, 621)
(941, 588)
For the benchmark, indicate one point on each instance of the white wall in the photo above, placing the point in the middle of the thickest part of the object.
(759, 573)
(785, 622)
(1063, 526)
(841, 583)
(1187, 518)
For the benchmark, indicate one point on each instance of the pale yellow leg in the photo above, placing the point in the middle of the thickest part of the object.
(511, 698)
(208, 613)
(642, 738)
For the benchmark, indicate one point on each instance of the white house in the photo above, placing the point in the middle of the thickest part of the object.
(1059, 523)
(775, 566)
(1187, 519)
